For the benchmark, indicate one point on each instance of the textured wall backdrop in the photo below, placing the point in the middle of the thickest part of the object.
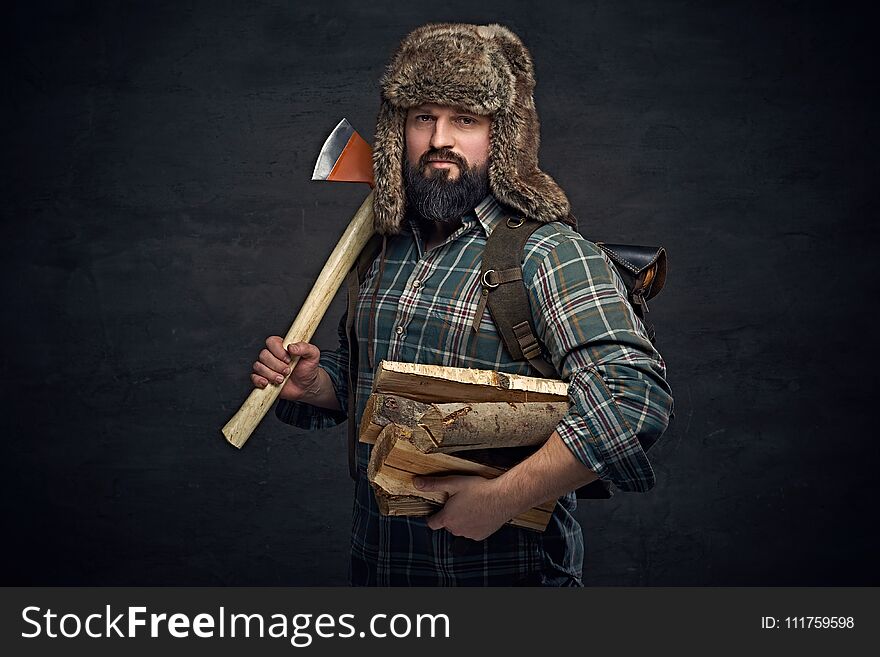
(158, 222)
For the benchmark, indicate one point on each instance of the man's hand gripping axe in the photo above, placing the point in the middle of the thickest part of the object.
(344, 157)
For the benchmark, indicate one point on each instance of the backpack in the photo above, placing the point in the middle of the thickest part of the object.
(642, 269)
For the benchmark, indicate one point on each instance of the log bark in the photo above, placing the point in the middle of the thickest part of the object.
(395, 461)
(435, 383)
(456, 426)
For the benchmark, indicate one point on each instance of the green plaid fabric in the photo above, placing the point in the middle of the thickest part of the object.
(424, 311)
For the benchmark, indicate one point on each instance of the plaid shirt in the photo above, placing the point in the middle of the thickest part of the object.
(423, 313)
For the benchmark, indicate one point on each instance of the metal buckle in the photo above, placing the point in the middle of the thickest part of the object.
(486, 282)
(510, 225)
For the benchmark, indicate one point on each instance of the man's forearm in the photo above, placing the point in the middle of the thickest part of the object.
(477, 507)
(547, 474)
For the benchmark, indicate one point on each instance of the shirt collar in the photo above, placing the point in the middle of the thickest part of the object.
(488, 213)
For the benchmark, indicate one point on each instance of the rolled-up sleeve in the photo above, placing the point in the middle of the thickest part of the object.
(306, 416)
(620, 401)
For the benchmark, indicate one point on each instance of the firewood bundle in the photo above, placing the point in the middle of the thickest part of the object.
(433, 420)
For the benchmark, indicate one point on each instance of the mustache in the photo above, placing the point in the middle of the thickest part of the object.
(442, 154)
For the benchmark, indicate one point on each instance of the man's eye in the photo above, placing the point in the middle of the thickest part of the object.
(424, 118)
(466, 120)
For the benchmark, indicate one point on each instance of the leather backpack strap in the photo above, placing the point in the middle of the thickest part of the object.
(353, 284)
(505, 294)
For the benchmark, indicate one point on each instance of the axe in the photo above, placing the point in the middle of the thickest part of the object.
(345, 157)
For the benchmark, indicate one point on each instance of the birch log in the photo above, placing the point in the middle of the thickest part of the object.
(456, 426)
(435, 383)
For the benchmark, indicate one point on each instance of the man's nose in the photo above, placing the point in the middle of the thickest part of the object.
(442, 137)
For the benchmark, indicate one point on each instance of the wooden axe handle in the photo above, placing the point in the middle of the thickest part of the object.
(352, 242)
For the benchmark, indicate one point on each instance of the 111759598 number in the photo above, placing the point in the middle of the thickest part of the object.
(819, 622)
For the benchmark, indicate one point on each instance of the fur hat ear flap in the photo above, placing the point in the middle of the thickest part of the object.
(485, 69)
(389, 198)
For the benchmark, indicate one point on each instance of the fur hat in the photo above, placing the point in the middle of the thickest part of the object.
(484, 69)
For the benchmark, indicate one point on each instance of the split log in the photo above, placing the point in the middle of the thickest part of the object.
(370, 428)
(395, 461)
(403, 505)
(456, 426)
(438, 384)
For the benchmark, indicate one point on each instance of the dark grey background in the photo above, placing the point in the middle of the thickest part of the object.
(159, 222)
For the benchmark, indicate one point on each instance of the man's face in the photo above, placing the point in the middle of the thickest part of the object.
(441, 140)
(447, 159)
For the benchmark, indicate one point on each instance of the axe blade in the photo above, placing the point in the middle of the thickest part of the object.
(345, 157)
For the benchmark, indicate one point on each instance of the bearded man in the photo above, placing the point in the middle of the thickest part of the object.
(455, 153)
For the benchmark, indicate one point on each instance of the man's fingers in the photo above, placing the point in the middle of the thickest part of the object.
(275, 364)
(269, 374)
(436, 521)
(449, 484)
(258, 381)
(304, 350)
(276, 347)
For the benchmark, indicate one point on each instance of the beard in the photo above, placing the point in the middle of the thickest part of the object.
(436, 197)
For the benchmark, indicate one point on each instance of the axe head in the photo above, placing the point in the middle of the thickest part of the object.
(345, 157)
